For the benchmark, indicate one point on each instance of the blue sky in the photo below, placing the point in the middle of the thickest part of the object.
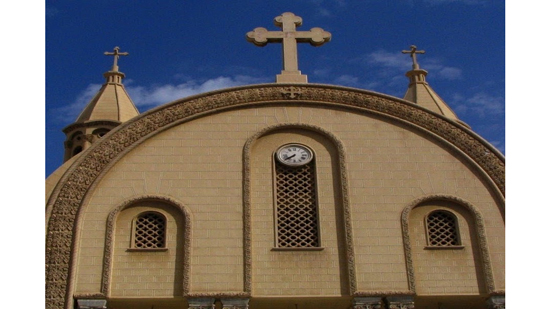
(181, 48)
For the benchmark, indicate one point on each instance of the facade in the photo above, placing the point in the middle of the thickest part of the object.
(284, 195)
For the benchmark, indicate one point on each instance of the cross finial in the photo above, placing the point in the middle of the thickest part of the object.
(289, 38)
(413, 53)
(116, 54)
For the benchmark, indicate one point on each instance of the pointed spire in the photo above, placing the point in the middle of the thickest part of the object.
(110, 107)
(421, 93)
(112, 102)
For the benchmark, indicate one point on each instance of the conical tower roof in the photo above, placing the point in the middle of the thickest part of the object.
(421, 93)
(110, 107)
(112, 102)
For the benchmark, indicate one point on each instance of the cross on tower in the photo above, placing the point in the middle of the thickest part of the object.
(116, 54)
(289, 38)
(413, 53)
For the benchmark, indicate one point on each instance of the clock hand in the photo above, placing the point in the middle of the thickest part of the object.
(290, 157)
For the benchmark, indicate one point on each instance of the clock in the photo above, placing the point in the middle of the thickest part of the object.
(294, 154)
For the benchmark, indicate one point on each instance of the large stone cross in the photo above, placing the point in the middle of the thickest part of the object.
(289, 38)
(413, 53)
(116, 54)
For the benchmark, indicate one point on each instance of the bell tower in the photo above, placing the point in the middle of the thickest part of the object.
(422, 94)
(110, 107)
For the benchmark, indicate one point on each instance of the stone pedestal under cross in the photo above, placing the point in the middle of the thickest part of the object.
(289, 38)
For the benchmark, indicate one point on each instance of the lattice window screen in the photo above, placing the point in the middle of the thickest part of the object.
(442, 229)
(296, 199)
(150, 231)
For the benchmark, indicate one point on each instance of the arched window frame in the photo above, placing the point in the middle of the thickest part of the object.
(133, 241)
(75, 142)
(75, 135)
(277, 228)
(455, 230)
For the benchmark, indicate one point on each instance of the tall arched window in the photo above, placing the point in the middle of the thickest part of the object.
(75, 142)
(296, 197)
(442, 229)
(149, 231)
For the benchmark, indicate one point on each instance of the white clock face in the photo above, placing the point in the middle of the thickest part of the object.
(294, 154)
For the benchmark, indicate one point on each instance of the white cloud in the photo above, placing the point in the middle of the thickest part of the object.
(322, 72)
(323, 12)
(387, 59)
(152, 95)
(399, 63)
(324, 8)
(160, 94)
(450, 73)
(440, 71)
(480, 105)
(347, 80)
(68, 114)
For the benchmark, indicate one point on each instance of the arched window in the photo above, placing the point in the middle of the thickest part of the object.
(76, 136)
(296, 197)
(442, 229)
(149, 231)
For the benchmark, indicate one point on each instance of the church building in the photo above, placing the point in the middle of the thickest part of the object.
(288, 195)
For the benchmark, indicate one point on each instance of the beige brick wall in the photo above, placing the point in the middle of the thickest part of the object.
(199, 164)
(142, 273)
(446, 271)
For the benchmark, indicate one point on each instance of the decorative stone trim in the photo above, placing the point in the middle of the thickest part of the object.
(110, 232)
(201, 303)
(234, 303)
(480, 233)
(291, 93)
(496, 302)
(367, 303)
(400, 302)
(89, 167)
(345, 199)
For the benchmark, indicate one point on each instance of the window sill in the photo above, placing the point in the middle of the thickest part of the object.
(146, 249)
(443, 247)
(298, 249)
